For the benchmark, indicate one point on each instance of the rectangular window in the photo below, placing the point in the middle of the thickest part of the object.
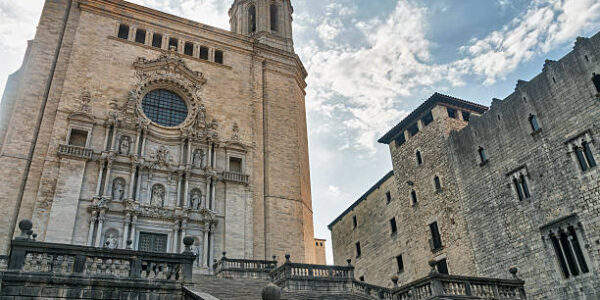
(436, 239)
(566, 245)
(393, 226)
(358, 252)
(589, 156)
(400, 139)
(466, 116)
(451, 112)
(78, 138)
(151, 242)
(414, 129)
(204, 53)
(188, 49)
(140, 36)
(400, 263)
(235, 164)
(442, 266)
(413, 196)
(219, 57)
(123, 32)
(388, 197)
(173, 44)
(354, 221)
(157, 40)
(427, 119)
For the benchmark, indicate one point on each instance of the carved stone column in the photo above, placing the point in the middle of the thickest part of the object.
(126, 223)
(183, 229)
(137, 142)
(131, 182)
(93, 220)
(186, 190)
(207, 194)
(179, 178)
(107, 178)
(99, 185)
(205, 246)
(213, 193)
(175, 238)
(101, 218)
(133, 223)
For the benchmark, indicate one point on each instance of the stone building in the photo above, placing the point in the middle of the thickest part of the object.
(481, 190)
(320, 254)
(128, 127)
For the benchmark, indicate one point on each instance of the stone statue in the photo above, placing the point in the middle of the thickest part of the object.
(111, 241)
(125, 145)
(196, 199)
(118, 191)
(198, 158)
(158, 195)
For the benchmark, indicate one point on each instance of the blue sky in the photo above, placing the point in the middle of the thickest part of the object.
(371, 62)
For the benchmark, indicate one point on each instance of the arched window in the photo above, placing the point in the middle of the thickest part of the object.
(596, 81)
(274, 17)
(252, 19)
(535, 126)
(164, 108)
(419, 158)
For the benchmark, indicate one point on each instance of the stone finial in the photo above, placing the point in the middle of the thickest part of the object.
(274, 257)
(188, 241)
(433, 264)
(287, 258)
(395, 279)
(34, 236)
(129, 243)
(271, 292)
(513, 271)
(349, 261)
(224, 253)
(25, 226)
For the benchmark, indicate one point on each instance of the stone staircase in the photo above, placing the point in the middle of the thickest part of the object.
(228, 289)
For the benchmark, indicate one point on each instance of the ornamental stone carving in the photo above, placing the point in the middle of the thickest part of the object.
(158, 195)
(125, 145)
(118, 190)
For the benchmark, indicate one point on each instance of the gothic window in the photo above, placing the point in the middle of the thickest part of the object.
(436, 239)
(252, 19)
(400, 139)
(482, 156)
(204, 53)
(219, 56)
(400, 263)
(585, 157)
(358, 252)
(157, 40)
(565, 241)
(151, 242)
(274, 17)
(164, 108)
(466, 116)
(235, 164)
(388, 197)
(188, 49)
(452, 113)
(437, 183)
(140, 36)
(413, 196)
(533, 121)
(414, 129)
(174, 44)
(520, 184)
(393, 226)
(596, 81)
(78, 138)
(588, 154)
(427, 119)
(123, 32)
(419, 158)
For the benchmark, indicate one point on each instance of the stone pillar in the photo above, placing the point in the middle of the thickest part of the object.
(179, 177)
(209, 155)
(213, 193)
(183, 229)
(174, 238)
(99, 229)
(207, 196)
(108, 130)
(107, 178)
(126, 230)
(205, 248)
(132, 236)
(99, 185)
(186, 190)
(137, 142)
(93, 220)
(131, 182)
(114, 139)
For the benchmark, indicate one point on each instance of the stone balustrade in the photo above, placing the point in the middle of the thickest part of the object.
(243, 268)
(74, 151)
(236, 177)
(28, 256)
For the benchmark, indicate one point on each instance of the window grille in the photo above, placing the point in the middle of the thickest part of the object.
(164, 108)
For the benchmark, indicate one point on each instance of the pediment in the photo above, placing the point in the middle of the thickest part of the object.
(169, 63)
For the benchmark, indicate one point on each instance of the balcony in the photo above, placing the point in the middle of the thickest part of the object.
(244, 268)
(75, 151)
(236, 177)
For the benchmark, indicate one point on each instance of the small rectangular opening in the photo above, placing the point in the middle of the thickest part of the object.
(358, 251)
(400, 139)
(414, 129)
(204, 53)
(173, 44)
(123, 32)
(188, 49)
(219, 57)
(78, 138)
(436, 239)
(140, 36)
(442, 266)
(388, 197)
(427, 119)
(466, 116)
(235, 164)
(157, 40)
(452, 113)
(393, 226)
(354, 221)
(400, 263)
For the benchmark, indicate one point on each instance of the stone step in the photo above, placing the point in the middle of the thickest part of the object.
(229, 289)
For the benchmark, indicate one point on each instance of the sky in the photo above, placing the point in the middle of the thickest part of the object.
(371, 62)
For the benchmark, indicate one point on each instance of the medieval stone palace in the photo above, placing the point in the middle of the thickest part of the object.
(129, 128)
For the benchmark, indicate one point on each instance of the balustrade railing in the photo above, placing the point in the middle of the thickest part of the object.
(243, 268)
(35, 257)
(236, 177)
(75, 151)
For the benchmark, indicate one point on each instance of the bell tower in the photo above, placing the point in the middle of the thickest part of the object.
(269, 21)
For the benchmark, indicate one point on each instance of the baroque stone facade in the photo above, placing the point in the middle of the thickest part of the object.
(127, 127)
(517, 184)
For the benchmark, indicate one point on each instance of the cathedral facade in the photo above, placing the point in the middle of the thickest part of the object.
(131, 128)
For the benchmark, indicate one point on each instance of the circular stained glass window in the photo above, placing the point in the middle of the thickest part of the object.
(164, 108)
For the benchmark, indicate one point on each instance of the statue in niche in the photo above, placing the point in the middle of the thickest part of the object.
(202, 114)
(195, 199)
(158, 195)
(111, 241)
(198, 158)
(118, 190)
(125, 145)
